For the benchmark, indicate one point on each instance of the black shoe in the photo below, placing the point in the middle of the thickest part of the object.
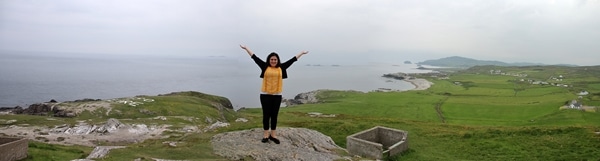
(264, 140)
(274, 139)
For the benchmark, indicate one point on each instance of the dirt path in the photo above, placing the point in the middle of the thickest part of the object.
(438, 109)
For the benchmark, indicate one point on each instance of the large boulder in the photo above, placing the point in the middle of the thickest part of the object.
(35, 109)
(11, 109)
(44, 109)
(303, 98)
(63, 112)
(296, 144)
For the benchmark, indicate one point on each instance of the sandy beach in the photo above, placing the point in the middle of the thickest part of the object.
(419, 83)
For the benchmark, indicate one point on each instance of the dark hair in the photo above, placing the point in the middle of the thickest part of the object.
(278, 60)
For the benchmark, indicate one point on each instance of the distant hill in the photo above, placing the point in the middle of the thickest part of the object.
(462, 62)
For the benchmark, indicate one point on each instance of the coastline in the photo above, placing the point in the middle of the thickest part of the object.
(310, 97)
(419, 83)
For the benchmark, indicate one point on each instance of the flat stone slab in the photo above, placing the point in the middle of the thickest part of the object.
(296, 144)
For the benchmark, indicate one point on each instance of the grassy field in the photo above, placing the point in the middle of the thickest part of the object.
(498, 132)
(474, 115)
(50, 152)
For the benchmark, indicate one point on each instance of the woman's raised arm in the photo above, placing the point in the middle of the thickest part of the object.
(247, 50)
(300, 54)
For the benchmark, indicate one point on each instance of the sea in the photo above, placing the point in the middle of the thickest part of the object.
(29, 79)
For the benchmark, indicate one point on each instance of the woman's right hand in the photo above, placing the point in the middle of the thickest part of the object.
(247, 50)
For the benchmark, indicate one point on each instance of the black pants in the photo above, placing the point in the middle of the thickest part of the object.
(270, 108)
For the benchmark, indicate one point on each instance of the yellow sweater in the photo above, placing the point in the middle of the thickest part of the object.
(272, 81)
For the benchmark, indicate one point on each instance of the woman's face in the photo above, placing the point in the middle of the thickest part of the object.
(273, 61)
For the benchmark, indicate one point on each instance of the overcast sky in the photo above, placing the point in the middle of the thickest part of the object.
(540, 31)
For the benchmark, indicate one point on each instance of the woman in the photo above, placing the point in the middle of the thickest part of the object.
(272, 74)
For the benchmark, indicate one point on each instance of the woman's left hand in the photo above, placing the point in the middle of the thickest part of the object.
(301, 53)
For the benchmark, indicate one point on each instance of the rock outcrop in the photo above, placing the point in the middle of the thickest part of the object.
(10, 109)
(101, 151)
(303, 98)
(398, 76)
(35, 109)
(88, 135)
(296, 144)
(44, 109)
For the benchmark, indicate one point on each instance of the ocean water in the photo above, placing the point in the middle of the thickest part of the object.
(25, 80)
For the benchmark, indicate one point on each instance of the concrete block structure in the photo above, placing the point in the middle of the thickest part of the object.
(377, 142)
(12, 149)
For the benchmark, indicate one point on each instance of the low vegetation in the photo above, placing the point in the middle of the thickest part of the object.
(476, 114)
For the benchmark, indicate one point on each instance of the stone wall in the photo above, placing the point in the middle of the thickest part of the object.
(356, 146)
(13, 148)
(377, 142)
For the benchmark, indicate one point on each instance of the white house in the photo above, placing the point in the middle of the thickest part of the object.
(583, 93)
(575, 105)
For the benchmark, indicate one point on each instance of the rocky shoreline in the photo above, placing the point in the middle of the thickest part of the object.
(311, 97)
(301, 98)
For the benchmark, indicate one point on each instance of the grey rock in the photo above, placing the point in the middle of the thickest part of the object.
(215, 126)
(11, 109)
(11, 121)
(81, 129)
(160, 118)
(171, 143)
(43, 109)
(189, 128)
(241, 120)
(398, 76)
(35, 109)
(317, 114)
(101, 151)
(62, 112)
(139, 129)
(208, 120)
(111, 126)
(296, 144)
(304, 98)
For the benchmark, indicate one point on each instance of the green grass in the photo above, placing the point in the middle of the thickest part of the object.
(486, 117)
(377, 104)
(437, 141)
(594, 87)
(190, 147)
(569, 117)
(49, 152)
(489, 117)
(34, 120)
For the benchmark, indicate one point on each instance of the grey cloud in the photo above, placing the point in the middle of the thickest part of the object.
(508, 30)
